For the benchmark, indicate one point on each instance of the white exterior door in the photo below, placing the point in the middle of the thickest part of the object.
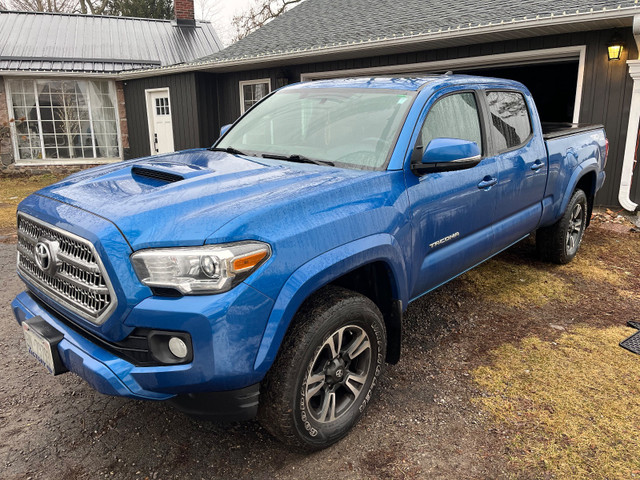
(160, 126)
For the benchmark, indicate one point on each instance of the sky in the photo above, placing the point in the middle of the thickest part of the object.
(220, 13)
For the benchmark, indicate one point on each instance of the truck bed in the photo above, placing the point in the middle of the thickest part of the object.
(555, 130)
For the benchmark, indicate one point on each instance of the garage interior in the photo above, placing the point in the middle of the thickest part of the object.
(553, 85)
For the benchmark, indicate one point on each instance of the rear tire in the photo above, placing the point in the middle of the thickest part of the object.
(560, 242)
(325, 374)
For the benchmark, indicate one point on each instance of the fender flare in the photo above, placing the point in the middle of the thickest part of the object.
(590, 165)
(321, 271)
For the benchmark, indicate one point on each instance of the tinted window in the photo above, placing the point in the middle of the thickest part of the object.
(510, 124)
(454, 116)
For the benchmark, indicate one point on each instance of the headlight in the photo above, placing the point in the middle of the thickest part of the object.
(199, 270)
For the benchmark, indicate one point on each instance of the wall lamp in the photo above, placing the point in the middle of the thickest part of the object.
(614, 48)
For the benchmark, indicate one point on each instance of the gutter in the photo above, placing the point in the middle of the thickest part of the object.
(633, 129)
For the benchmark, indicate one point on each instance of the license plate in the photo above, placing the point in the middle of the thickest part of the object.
(42, 342)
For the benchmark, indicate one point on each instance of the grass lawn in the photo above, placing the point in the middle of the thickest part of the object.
(12, 191)
(566, 393)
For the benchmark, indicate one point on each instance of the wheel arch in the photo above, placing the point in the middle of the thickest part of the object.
(378, 254)
(584, 175)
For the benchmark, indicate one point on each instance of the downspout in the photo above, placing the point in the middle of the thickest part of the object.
(624, 194)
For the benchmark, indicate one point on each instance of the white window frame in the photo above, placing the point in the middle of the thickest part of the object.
(151, 113)
(526, 57)
(57, 161)
(251, 82)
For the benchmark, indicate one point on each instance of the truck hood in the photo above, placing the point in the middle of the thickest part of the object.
(180, 199)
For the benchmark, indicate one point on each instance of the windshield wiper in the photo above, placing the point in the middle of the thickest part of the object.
(297, 158)
(228, 150)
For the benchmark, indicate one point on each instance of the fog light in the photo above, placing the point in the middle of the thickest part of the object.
(178, 347)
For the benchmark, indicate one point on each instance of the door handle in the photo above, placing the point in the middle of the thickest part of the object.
(537, 166)
(487, 182)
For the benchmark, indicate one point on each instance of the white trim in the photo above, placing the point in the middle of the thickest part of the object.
(626, 176)
(151, 113)
(500, 59)
(579, 85)
(251, 82)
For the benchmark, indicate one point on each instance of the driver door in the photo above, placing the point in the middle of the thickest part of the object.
(452, 213)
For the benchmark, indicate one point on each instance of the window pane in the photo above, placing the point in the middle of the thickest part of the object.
(103, 115)
(455, 116)
(60, 109)
(510, 124)
(253, 93)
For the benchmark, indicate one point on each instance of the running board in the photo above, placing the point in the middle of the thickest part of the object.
(633, 342)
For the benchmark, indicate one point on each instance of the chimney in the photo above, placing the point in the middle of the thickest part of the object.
(184, 13)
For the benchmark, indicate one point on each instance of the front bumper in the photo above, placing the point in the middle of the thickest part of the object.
(226, 331)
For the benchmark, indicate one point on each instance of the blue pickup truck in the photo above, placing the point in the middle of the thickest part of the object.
(267, 276)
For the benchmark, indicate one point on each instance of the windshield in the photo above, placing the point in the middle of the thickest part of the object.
(346, 127)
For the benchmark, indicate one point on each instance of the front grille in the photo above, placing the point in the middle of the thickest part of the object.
(77, 280)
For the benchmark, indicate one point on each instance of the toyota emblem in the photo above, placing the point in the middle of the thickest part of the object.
(44, 253)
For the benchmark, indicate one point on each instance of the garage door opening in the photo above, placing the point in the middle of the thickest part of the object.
(553, 86)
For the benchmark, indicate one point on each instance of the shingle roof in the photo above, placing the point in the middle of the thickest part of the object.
(321, 24)
(102, 44)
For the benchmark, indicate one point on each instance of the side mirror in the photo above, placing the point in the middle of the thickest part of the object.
(446, 154)
(224, 129)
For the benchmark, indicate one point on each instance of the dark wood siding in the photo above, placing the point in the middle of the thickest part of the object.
(184, 111)
(208, 98)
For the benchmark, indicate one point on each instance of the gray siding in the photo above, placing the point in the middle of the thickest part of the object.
(184, 112)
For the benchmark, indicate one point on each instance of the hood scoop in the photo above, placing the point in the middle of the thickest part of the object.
(161, 175)
(168, 172)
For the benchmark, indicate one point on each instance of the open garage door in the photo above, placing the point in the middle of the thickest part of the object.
(553, 86)
(554, 76)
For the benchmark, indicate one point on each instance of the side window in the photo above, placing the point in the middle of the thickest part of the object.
(510, 123)
(454, 116)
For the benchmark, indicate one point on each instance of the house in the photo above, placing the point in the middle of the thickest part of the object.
(60, 84)
(578, 57)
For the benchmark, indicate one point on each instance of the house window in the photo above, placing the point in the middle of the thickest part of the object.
(64, 119)
(252, 91)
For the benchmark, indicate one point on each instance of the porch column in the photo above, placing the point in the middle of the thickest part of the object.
(624, 194)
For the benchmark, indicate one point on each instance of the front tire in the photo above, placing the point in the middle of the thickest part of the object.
(560, 242)
(325, 374)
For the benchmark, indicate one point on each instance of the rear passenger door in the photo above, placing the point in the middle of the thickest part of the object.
(522, 163)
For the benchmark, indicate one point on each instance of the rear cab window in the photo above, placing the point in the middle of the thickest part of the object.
(509, 120)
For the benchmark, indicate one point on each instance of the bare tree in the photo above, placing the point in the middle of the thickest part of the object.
(260, 13)
(43, 5)
(207, 9)
(94, 7)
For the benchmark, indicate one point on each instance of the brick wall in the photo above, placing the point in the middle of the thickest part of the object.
(184, 9)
